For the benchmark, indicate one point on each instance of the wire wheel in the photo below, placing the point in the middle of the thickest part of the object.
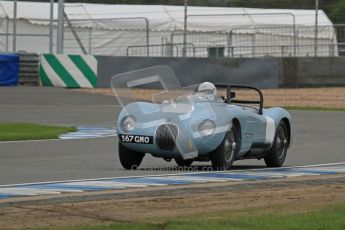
(277, 154)
(129, 159)
(229, 146)
(282, 142)
(223, 157)
(183, 163)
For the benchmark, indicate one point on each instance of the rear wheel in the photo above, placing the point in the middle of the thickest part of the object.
(277, 154)
(224, 155)
(183, 163)
(129, 159)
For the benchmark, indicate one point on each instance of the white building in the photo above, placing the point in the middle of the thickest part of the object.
(121, 29)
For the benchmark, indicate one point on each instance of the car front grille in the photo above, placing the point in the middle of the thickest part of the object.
(166, 135)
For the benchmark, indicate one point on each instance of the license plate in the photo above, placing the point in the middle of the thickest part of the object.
(138, 139)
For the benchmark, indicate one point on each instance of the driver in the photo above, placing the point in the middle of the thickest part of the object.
(208, 90)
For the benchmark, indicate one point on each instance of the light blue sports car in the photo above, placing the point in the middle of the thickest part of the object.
(201, 125)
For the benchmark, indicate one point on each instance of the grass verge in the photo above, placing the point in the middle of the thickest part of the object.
(331, 217)
(28, 131)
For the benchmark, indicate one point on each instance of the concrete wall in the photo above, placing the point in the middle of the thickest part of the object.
(260, 72)
(312, 72)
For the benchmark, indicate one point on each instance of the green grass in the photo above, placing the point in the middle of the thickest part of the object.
(327, 218)
(28, 131)
(313, 108)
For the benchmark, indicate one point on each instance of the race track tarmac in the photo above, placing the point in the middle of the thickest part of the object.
(319, 137)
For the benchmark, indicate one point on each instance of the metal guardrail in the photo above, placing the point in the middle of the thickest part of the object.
(275, 41)
(163, 50)
(246, 14)
(117, 40)
(329, 49)
(332, 49)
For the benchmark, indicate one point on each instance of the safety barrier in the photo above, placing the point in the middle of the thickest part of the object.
(86, 71)
(29, 68)
(9, 69)
(70, 71)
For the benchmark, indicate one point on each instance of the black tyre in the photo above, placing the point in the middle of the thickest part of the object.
(223, 157)
(183, 163)
(276, 155)
(130, 159)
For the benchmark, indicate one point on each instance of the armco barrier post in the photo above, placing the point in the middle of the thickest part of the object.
(60, 28)
(14, 42)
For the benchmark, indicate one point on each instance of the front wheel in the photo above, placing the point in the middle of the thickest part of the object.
(276, 155)
(224, 155)
(183, 163)
(129, 159)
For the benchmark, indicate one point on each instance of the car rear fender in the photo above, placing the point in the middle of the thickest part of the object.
(279, 114)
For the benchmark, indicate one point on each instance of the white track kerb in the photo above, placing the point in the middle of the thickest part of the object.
(115, 183)
(89, 132)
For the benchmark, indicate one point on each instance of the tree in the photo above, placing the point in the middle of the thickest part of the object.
(337, 12)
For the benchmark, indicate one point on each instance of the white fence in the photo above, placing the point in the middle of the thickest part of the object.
(256, 42)
(136, 39)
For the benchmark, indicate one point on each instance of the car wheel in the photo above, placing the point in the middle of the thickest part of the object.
(277, 154)
(183, 163)
(223, 157)
(129, 159)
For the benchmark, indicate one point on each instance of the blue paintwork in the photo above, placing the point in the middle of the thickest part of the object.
(188, 116)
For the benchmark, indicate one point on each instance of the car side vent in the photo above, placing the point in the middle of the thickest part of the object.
(166, 135)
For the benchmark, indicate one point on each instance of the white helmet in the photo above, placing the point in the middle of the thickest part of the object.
(207, 88)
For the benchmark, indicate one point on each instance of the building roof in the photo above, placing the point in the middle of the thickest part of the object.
(163, 17)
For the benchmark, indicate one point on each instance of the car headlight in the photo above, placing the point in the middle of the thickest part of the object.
(206, 128)
(128, 123)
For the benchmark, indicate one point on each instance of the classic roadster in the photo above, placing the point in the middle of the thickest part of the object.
(201, 125)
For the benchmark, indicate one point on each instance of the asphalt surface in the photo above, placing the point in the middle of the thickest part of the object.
(319, 137)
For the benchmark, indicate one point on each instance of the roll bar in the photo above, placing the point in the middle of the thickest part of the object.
(229, 98)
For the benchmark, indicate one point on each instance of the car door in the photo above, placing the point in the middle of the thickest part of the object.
(259, 133)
